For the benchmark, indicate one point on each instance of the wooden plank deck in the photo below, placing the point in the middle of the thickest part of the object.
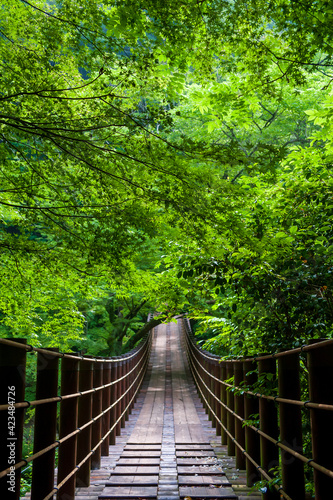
(149, 426)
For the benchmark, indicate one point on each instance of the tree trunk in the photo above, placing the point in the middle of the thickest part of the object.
(142, 332)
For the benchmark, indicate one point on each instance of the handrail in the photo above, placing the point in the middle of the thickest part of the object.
(30, 348)
(97, 395)
(258, 431)
(276, 399)
(233, 406)
(274, 355)
(27, 404)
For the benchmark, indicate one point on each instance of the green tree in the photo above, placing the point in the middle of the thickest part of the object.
(127, 123)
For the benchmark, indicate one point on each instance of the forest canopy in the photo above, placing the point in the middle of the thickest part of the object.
(171, 157)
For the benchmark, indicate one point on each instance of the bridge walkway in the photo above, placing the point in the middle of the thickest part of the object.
(168, 448)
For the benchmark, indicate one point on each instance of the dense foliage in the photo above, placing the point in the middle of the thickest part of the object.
(166, 156)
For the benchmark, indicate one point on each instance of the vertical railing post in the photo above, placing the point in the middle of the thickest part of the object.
(144, 362)
(195, 363)
(223, 396)
(84, 416)
(123, 388)
(198, 362)
(45, 425)
(204, 361)
(191, 356)
(138, 360)
(291, 426)
(68, 424)
(201, 380)
(97, 410)
(119, 385)
(239, 409)
(12, 376)
(251, 407)
(269, 452)
(113, 399)
(230, 416)
(106, 404)
(320, 366)
(217, 390)
(127, 384)
(132, 362)
(207, 382)
(211, 385)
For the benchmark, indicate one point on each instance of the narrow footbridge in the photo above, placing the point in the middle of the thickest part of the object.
(168, 421)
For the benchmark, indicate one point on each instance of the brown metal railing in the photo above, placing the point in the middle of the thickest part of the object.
(229, 391)
(96, 398)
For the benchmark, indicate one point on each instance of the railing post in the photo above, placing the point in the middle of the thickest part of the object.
(84, 416)
(131, 365)
(138, 360)
(45, 425)
(195, 362)
(113, 399)
(291, 426)
(269, 452)
(201, 381)
(230, 416)
(106, 403)
(217, 389)
(12, 376)
(204, 363)
(68, 424)
(191, 357)
(123, 388)
(211, 385)
(201, 378)
(223, 397)
(131, 379)
(252, 442)
(97, 410)
(320, 365)
(127, 384)
(239, 409)
(119, 385)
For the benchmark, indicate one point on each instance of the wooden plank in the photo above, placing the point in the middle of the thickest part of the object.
(129, 492)
(196, 461)
(197, 469)
(194, 446)
(135, 470)
(134, 480)
(142, 447)
(202, 480)
(195, 453)
(203, 492)
(138, 461)
(140, 454)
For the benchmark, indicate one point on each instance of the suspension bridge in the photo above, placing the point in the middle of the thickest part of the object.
(169, 421)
